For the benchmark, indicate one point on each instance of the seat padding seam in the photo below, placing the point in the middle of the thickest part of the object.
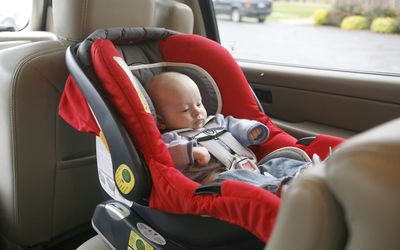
(13, 136)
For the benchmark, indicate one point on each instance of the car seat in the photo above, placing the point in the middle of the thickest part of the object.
(124, 124)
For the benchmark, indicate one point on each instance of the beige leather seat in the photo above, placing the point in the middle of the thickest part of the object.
(12, 39)
(48, 175)
(351, 203)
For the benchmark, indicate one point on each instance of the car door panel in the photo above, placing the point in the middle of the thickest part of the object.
(310, 101)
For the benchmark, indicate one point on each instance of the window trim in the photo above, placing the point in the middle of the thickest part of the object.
(209, 19)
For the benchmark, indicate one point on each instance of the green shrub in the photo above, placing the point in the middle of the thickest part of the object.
(354, 23)
(321, 16)
(385, 25)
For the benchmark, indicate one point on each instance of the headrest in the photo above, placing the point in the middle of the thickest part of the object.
(74, 20)
(173, 15)
(141, 55)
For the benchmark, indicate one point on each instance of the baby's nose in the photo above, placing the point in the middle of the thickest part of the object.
(196, 112)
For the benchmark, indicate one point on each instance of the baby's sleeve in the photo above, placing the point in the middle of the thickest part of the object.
(180, 149)
(241, 129)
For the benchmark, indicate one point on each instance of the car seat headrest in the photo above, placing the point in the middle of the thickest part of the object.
(208, 88)
(140, 52)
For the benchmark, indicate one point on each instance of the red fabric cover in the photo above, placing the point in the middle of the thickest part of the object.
(250, 207)
(74, 109)
(321, 145)
(172, 191)
(237, 98)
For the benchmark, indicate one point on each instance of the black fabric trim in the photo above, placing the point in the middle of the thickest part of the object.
(120, 36)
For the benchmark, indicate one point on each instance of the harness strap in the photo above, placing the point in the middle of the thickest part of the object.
(222, 145)
(219, 152)
(238, 148)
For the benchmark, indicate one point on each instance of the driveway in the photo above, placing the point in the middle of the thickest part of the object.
(310, 45)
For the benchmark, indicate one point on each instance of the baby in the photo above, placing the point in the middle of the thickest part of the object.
(179, 108)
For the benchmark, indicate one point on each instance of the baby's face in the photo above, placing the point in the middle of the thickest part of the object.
(179, 105)
(182, 108)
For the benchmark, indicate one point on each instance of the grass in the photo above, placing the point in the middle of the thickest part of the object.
(293, 11)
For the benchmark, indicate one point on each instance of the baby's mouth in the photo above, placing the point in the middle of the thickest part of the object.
(199, 123)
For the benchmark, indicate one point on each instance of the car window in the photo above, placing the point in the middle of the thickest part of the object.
(340, 35)
(14, 14)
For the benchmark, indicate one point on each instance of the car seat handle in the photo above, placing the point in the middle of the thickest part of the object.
(306, 140)
(213, 188)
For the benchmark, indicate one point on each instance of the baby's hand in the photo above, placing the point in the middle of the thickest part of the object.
(255, 133)
(201, 155)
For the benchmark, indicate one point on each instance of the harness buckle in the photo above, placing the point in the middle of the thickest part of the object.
(209, 134)
(241, 162)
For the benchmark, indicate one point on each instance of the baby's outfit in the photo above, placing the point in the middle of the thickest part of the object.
(271, 172)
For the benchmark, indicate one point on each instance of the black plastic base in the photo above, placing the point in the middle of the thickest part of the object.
(119, 226)
(122, 227)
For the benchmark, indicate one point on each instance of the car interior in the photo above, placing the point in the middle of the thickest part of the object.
(49, 186)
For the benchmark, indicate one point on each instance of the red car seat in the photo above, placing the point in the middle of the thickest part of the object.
(105, 97)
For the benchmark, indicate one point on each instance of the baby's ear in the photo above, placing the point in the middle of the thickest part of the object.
(160, 123)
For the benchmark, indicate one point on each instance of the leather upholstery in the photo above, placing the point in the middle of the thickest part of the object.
(74, 20)
(309, 217)
(96, 14)
(95, 242)
(173, 15)
(48, 175)
(350, 203)
(29, 36)
(46, 165)
(12, 39)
